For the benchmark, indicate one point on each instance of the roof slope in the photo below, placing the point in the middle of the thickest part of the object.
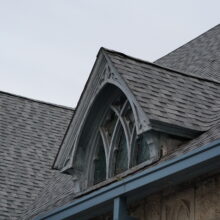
(30, 134)
(59, 190)
(168, 96)
(200, 56)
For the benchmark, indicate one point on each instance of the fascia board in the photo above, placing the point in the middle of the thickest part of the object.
(171, 172)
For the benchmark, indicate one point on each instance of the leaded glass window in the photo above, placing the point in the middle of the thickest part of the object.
(118, 147)
(111, 138)
(114, 133)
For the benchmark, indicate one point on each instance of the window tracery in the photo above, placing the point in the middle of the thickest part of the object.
(117, 135)
(120, 154)
(99, 162)
(109, 140)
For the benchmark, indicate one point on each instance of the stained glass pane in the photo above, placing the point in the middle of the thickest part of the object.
(142, 149)
(121, 155)
(100, 163)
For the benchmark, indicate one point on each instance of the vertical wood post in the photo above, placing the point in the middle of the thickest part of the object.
(120, 209)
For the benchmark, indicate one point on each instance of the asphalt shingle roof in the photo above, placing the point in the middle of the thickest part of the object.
(30, 135)
(200, 56)
(31, 132)
(59, 188)
(58, 191)
(169, 96)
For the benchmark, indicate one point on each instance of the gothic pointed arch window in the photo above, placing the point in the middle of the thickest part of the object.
(109, 144)
(115, 134)
(119, 147)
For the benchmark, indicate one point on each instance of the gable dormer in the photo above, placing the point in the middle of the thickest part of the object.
(108, 124)
(120, 120)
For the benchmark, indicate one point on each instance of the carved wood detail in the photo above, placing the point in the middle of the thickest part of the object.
(103, 74)
(208, 199)
(179, 206)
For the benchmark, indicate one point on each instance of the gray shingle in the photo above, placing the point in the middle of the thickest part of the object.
(30, 135)
(200, 56)
(189, 99)
(59, 189)
(169, 96)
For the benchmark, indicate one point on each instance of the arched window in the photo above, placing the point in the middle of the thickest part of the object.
(115, 134)
(118, 136)
(108, 143)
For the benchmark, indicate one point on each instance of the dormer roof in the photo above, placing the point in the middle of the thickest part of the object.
(170, 98)
(170, 101)
(178, 94)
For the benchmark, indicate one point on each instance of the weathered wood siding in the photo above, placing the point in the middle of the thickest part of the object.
(196, 201)
(200, 201)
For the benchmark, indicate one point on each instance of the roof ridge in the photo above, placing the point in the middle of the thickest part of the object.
(204, 33)
(162, 67)
(38, 101)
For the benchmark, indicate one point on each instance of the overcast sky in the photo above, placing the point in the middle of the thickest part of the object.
(48, 47)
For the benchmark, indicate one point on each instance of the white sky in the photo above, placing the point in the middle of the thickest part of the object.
(48, 47)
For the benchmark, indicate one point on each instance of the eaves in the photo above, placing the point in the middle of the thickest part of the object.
(151, 180)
